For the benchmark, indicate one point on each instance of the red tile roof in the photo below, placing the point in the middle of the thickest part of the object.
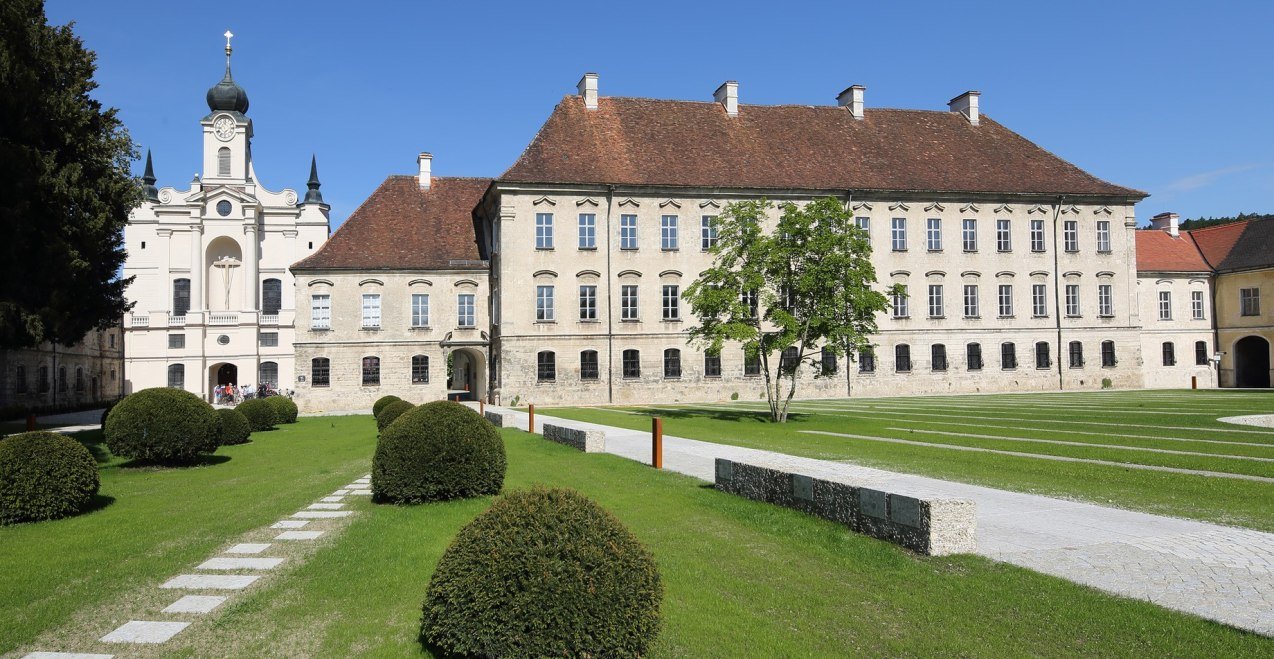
(1216, 243)
(401, 227)
(636, 141)
(1159, 252)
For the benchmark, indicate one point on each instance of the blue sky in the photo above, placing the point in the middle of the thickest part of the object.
(1169, 97)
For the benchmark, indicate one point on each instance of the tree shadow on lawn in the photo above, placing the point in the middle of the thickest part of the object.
(753, 416)
(200, 461)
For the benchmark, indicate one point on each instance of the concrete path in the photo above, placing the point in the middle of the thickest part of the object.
(1218, 572)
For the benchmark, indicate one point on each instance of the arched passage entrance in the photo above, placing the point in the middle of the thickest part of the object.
(467, 374)
(1252, 362)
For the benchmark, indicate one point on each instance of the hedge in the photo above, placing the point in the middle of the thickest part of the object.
(543, 573)
(44, 475)
(261, 415)
(391, 412)
(439, 450)
(232, 427)
(382, 402)
(284, 408)
(162, 424)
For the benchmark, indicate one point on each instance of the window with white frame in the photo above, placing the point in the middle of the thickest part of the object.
(544, 231)
(898, 231)
(588, 302)
(371, 310)
(1070, 235)
(1037, 236)
(1003, 236)
(970, 301)
(587, 231)
(671, 302)
(708, 232)
(419, 310)
(464, 310)
(752, 300)
(1196, 305)
(1165, 305)
(628, 232)
(1103, 235)
(1249, 301)
(1072, 299)
(320, 312)
(668, 233)
(628, 302)
(1039, 300)
(933, 234)
(544, 304)
(969, 235)
(1105, 301)
(899, 301)
(1006, 300)
(936, 307)
(863, 223)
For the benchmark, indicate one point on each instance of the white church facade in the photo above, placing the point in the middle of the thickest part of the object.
(213, 296)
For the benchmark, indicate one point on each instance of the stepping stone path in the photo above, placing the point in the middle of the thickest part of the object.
(242, 557)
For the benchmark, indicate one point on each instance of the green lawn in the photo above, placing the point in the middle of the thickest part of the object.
(1098, 425)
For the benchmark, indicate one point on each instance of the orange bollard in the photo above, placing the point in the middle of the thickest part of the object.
(481, 406)
(30, 422)
(530, 423)
(657, 443)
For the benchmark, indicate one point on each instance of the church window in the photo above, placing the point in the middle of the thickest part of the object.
(181, 297)
(223, 161)
(177, 376)
(224, 208)
(271, 297)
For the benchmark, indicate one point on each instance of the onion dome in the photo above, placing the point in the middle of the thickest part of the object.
(227, 95)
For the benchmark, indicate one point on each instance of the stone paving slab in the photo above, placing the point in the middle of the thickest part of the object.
(144, 631)
(322, 514)
(194, 604)
(340, 492)
(361, 493)
(249, 548)
(66, 655)
(298, 535)
(239, 564)
(211, 581)
(325, 506)
(332, 499)
(290, 524)
(1218, 572)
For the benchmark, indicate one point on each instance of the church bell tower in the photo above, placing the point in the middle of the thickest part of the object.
(227, 131)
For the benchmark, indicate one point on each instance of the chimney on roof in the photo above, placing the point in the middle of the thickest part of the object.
(967, 105)
(425, 160)
(588, 90)
(852, 98)
(728, 96)
(1169, 222)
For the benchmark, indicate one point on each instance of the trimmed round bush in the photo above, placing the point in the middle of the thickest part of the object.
(261, 414)
(382, 402)
(391, 412)
(232, 427)
(284, 408)
(44, 475)
(439, 450)
(162, 424)
(543, 573)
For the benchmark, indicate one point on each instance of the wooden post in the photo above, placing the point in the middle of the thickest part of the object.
(657, 443)
(30, 422)
(481, 406)
(1194, 382)
(530, 422)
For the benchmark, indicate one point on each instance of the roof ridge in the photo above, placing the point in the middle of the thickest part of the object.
(839, 108)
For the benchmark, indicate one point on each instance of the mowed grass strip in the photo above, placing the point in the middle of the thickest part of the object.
(1224, 500)
(155, 522)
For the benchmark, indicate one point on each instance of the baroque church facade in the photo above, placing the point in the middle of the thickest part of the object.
(213, 296)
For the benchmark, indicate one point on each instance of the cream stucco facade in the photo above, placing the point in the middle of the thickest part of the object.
(1245, 330)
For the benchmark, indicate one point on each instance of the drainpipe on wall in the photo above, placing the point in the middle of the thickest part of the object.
(610, 310)
(1057, 290)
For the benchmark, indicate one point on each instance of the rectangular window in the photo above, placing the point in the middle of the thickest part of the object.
(464, 310)
(668, 233)
(1008, 356)
(1006, 300)
(545, 366)
(900, 303)
(899, 234)
(1165, 305)
(936, 307)
(751, 365)
(971, 301)
(271, 297)
(1070, 235)
(371, 371)
(320, 372)
(672, 302)
(1003, 237)
(177, 376)
(1042, 358)
(544, 231)
(181, 297)
(867, 361)
(628, 232)
(544, 304)
(20, 379)
(419, 310)
(938, 357)
(1039, 300)
(588, 368)
(632, 364)
(1108, 354)
(587, 231)
(1076, 354)
(176, 341)
(419, 369)
(1037, 235)
(934, 234)
(969, 235)
(864, 223)
(1196, 305)
(1103, 235)
(711, 365)
(1250, 301)
(752, 300)
(902, 358)
(973, 356)
(320, 312)
(1169, 353)
(672, 363)
(1105, 301)
(1201, 353)
(588, 302)
(371, 311)
(1072, 300)
(708, 232)
(628, 302)
(827, 361)
(269, 339)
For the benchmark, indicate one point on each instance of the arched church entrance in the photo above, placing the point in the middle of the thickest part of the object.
(1252, 362)
(467, 374)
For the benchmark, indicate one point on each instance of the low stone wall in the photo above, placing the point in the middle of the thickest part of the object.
(504, 419)
(935, 527)
(588, 441)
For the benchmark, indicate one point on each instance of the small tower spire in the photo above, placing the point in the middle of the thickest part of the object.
(313, 196)
(228, 35)
(148, 180)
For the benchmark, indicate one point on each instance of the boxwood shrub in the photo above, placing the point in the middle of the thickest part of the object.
(261, 414)
(44, 475)
(382, 402)
(439, 450)
(284, 408)
(543, 573)
(232, 427)
(161, 424)
(391, 412)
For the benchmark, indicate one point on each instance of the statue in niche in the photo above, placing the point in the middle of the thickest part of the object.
(226, 265)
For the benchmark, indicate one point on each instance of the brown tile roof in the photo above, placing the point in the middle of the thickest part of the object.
(1237, 246)
(1159, 252)
(401, 227)
(636, 141)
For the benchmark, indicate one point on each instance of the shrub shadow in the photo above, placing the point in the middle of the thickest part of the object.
(201, 461)
(761, 416)
(96, 503)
